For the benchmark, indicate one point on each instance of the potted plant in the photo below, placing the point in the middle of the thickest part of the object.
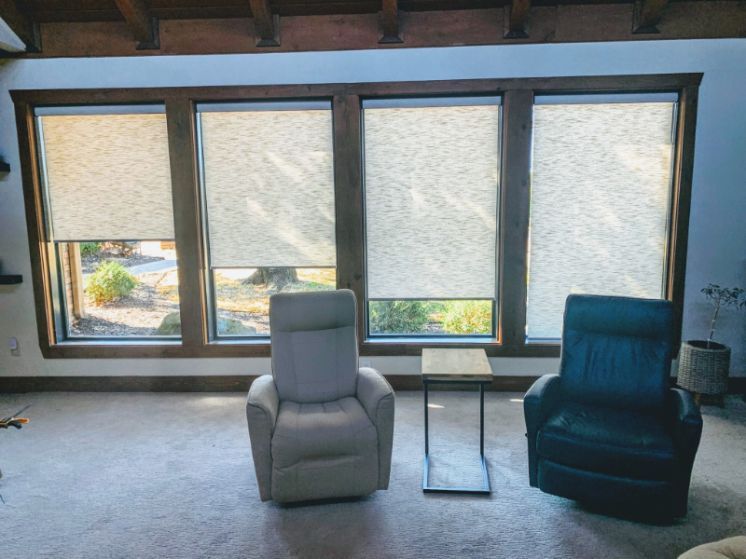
(704, 364)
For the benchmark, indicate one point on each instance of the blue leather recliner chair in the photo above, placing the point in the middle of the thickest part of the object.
(608, 430)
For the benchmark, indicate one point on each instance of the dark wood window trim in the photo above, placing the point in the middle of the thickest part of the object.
(517, 96)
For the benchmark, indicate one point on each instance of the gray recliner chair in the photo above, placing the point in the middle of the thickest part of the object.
(320, 426)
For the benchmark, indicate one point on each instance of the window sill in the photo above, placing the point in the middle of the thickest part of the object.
(152, 349)
(493, 348)
(118, 342)
(432, 340)
(229, 342)
(262, 348)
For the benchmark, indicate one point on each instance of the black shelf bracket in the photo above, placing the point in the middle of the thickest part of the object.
(10, 279)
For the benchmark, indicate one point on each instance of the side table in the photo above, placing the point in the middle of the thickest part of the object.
(456, 366)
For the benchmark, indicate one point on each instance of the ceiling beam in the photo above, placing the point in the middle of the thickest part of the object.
(516, 18)
(647, 15)
(19, 22)
(390, 22)
(142, 24)
(266, 24)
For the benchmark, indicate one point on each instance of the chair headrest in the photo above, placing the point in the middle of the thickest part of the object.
(318, 310)
(620, 316)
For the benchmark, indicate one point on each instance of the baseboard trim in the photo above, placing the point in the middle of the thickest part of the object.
(223, 383)
(235, 383)
(213, 383)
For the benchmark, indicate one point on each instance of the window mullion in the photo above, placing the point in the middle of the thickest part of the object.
(187, 230)
(681, 201)
(348, 200)
(514, 216)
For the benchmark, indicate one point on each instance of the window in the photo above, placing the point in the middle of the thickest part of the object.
(268, 183)
(110, 225)
(431, 189)
(600, 195)
(460, 213)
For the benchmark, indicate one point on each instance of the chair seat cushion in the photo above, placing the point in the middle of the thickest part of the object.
(319, 430)
(729, 548)
(323, 450)
(628, 443)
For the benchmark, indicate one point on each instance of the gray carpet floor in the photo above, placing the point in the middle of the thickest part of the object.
(137, 475)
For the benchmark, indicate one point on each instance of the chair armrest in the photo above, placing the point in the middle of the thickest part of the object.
(263, 396)
(538, 403)
(262, 407)
(372, 389)
(686, 420)
(540, 400)
(377, 398)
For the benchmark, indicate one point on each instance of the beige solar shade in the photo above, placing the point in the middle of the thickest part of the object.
(431, 182)
(108, 176)
(269, 185)
(601, 179)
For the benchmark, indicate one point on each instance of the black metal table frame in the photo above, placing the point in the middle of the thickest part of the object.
(484, 489)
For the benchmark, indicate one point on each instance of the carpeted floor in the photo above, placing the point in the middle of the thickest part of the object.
(137, 475)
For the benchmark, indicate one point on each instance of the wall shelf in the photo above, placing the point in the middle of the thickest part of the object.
(10, 279)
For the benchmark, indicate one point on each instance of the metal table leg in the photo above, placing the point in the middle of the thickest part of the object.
(427, 430)
(484, 489)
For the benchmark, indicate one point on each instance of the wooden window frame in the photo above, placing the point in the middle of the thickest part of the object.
(517, 106)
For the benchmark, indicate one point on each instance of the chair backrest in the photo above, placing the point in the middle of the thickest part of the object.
(616, 351)
(314, 345)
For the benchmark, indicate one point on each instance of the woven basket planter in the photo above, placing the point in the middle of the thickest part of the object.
(704, 370)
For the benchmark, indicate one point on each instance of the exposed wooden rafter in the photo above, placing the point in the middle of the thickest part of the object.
(266, 24)
(516, 18)
(93, 27)
(142, 24)
(648, 15)
(20, 23)
(390, 22)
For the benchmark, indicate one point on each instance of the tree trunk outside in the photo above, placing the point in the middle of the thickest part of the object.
(273, 277)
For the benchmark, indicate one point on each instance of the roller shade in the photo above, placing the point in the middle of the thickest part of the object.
(431, 183)
(600, 187)
(269, 187)
(107, 176)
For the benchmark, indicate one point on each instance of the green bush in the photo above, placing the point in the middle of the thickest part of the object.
(109, 282)
(89, 249)
(467, 317)
(398, 317)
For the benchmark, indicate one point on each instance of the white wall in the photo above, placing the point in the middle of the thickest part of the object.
(717, 241)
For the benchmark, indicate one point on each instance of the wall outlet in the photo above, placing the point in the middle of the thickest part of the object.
(14, 347)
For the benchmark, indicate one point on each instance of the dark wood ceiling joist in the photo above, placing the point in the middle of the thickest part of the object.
(142, 24)
(516, 19)
(647, 16)
(220, 26)
(390, 22)
(20, 21)
(266, 24)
